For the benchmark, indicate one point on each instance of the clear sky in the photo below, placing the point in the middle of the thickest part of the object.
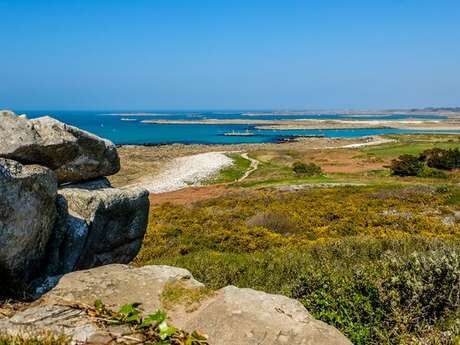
(233, 54)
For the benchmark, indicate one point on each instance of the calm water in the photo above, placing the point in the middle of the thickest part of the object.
(135, 132)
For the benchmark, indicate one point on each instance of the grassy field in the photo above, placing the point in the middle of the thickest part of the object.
(413, 145)
(379, 261)
(233, 172)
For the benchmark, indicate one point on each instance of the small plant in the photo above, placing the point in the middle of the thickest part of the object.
(310, 169)
(153, 328)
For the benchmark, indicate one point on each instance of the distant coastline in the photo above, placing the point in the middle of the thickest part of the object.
(307, 124)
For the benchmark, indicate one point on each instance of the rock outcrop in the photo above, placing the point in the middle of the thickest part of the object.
(228, 316)
(27, 217)
(45, 232)
(98, 225)
(73, 154)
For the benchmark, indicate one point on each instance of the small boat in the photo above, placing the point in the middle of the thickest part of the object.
(127, 119)
(246, 133)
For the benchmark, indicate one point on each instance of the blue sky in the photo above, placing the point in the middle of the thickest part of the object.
(234, 54)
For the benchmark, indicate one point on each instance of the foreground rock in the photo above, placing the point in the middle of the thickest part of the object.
(73, 154)
(228, 316)
(27, 216)
(98, 225)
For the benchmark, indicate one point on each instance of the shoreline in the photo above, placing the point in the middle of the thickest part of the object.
(168, 168)
(311, 124)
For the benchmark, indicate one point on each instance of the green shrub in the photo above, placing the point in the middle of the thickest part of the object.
(310, 169)
(407, 165)
(442, 159)
(431, 172)
(388, 301)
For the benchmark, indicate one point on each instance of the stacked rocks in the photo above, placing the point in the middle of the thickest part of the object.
(58, 213)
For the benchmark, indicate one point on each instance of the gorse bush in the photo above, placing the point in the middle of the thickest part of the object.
(306, 169)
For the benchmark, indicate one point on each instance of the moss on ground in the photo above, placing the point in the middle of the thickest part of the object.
(177, 293)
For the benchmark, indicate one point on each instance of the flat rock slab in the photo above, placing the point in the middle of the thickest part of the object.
(27, 216)
(228, 316)
(117, 285)
(73, 154)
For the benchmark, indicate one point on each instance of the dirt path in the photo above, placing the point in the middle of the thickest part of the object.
(253, 167)
(190, 195)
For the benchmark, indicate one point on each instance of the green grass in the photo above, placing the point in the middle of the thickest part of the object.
(407, 147)
(287, 181)
(234, 172)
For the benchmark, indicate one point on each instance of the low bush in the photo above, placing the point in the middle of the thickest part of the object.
(442, 159)
(431, 172)
(275, 221)
(407, 165)
(306, 169)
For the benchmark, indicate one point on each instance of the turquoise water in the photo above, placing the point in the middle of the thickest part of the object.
(135, 132)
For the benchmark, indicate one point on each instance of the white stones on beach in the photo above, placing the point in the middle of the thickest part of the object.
(187, 171)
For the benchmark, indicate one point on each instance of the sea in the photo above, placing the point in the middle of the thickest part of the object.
(128, 129)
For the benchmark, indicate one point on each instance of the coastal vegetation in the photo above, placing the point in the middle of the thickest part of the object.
(377, 261)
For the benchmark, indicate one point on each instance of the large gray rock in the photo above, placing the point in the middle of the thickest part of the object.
(97, 225)
(228, 316)
(246, 316)
(74, 155)
(27, 216)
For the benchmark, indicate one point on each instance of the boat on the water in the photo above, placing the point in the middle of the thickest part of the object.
(127, 119)
(246, 133)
